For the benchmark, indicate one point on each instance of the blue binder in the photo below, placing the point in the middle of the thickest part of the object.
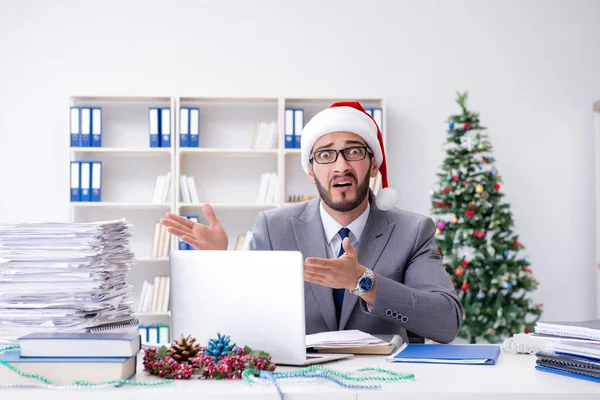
(567, 373)
(378, 117)
(194, 127)
(153, 126)
(75, 181)
(165, 127)
(85, 174)
(447, 354)
(290, 141)
(143, 331)
(184, 127)
(75, 127)
(152, 334)
(86, 127)
(298, 126)
(96, 127)
(96, 181)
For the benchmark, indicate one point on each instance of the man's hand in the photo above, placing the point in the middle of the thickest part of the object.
(199, 236)
(336, 273)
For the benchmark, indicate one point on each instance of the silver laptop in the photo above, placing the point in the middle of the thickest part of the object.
(255, 297)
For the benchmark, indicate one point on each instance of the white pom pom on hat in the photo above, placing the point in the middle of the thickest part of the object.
(350, 116)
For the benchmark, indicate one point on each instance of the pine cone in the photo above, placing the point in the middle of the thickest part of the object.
(219, 347)
(184, 350)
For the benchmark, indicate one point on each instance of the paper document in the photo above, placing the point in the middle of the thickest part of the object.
(341, 339)
(64, 277)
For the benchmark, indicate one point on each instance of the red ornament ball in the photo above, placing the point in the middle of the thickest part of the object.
(479, 234)
(527, 330)
(469, 214)
(497, 186)
(465, 263)
(517, 243)
(455, 177)
(467, 126)
(464, 286)
(459, 271)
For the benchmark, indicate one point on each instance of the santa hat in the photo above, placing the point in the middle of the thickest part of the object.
(350, 116)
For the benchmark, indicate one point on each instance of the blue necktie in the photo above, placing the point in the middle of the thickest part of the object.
(338, 294)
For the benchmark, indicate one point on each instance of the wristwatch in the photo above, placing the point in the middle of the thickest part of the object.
(364, 283)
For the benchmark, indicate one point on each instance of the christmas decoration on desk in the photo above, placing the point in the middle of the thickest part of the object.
(184, 349)
(39, 381)
(220, 359)
(482, 234)
(345, 379)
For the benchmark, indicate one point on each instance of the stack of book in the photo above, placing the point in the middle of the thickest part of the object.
(162, 189)
(265, 136)
(267, 191)
(571, 349)
(188, 189)
(161, 241)
(66, 357)
(155, 295)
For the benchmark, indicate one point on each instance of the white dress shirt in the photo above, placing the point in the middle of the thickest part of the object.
(332, 228)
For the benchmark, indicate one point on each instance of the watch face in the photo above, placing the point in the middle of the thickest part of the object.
(366, 284)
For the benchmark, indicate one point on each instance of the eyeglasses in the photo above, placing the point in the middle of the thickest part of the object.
(329, 156)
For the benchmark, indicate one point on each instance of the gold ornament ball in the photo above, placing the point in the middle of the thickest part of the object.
(479, 189)
(438, 231)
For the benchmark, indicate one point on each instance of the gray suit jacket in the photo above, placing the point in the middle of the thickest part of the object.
(414, 292)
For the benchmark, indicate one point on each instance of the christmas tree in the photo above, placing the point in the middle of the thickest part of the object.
(474, 235)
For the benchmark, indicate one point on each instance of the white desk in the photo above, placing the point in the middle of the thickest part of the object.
(513, 377)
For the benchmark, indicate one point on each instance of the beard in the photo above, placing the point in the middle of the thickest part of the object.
(345, 204)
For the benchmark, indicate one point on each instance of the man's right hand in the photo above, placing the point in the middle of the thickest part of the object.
(199, 236)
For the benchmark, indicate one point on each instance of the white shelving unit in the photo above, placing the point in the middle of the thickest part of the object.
(597, 125)
(225, 168)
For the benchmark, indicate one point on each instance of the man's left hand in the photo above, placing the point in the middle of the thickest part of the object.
(338, 273)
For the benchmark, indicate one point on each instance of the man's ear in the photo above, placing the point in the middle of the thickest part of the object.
(374, 169)
(311, 176)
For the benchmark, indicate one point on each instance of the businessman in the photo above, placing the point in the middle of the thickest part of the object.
(368, 265)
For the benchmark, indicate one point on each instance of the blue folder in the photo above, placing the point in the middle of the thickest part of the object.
(447, 354)
(567, 373)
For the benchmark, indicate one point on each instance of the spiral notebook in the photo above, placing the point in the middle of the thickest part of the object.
(116, 326)
(569, 365)
(580, 330)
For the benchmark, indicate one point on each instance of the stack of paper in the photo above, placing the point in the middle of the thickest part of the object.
(353, 341)
(339, 339)
(60, 277)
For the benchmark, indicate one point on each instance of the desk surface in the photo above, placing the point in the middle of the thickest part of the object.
(513, 377)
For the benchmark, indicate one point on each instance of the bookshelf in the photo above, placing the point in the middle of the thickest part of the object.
(596, 109)
(226, 168)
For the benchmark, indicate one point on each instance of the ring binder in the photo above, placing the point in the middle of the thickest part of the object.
(112, 326)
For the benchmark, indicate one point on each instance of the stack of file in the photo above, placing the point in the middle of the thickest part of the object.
(571, 349)
(353, 342)
(64, 277)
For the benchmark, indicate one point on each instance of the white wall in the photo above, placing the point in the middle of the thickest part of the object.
(532, 69)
